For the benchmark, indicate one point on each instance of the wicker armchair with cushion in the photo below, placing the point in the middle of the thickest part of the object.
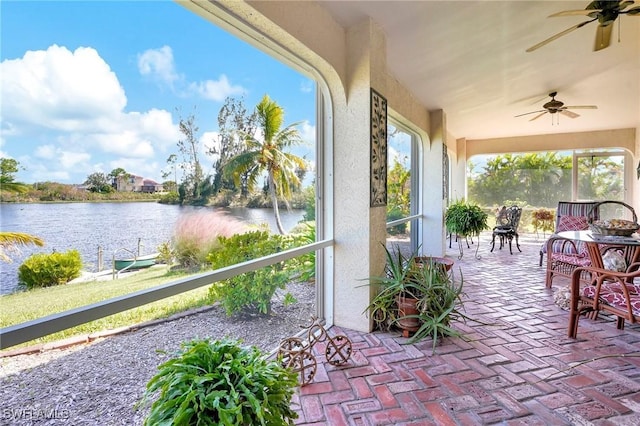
(564, 256)
(571, 216)
(608, 291)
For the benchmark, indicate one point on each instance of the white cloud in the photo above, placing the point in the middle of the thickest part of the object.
(55, 164)
(308, 133)
(46, 152)
(216, 90)
(158, 64)
(307, 86)
(59, 89)
(73, 101)
(126, 143)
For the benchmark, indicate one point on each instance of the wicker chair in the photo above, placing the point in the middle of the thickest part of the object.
(608, 291)
(570, 216)
(564, 256)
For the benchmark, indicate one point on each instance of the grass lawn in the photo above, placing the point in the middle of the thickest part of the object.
(24, 306)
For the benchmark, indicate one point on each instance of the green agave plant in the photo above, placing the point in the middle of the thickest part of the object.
(220, 383)
(438, 294)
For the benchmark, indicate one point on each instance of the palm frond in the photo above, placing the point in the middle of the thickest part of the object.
(19, 239)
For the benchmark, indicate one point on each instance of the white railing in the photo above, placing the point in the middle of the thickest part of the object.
(27, 331)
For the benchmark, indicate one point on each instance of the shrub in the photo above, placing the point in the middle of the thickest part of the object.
(46, 270)
(196, 235)
(170, 198)
(253, 289)
(395, 214)
(304, 265)
(221, 383)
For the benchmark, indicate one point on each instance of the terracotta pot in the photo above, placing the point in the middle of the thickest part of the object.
(444, 261)
(407, 306)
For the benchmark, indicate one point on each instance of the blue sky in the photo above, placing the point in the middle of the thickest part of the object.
(90, 86)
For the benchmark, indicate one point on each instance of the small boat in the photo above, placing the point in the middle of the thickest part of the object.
(137, 262)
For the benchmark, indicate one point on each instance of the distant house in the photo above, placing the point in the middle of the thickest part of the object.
(134, 183)
(150, 185)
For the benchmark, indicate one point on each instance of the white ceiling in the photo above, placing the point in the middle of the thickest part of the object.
(468, 58)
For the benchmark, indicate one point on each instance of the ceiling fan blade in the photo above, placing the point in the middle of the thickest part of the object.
(560, 34)
(579, 12)
(624, 3)
(538, 116)
(603, 37)
(532, 112)
(582, 107)
(569, 114)
(634, 11)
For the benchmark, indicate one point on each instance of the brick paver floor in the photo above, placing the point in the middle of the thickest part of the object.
(516, 366)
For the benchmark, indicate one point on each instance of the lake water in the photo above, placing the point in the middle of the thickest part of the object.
(111, 226)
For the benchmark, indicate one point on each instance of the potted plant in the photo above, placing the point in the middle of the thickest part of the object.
(417, 295)
(220, 382)
(465, 220)
(440, 303)
(396, 287)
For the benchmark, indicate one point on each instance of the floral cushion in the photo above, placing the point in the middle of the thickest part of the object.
(569, 223)
(572, 223)
(611, 294)
(572, 259)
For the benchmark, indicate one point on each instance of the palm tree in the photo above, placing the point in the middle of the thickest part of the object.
(265, 152)
(9, 241)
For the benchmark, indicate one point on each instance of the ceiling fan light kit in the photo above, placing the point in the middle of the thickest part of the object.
(605, 12)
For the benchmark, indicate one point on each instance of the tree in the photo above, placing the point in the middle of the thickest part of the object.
(233, 122)
(98, 182)
(193, 178)
(265, 153)
(9, 242)
(8, 168)
(172, 162)
(170, 186)
(116, 174)
(540, 179)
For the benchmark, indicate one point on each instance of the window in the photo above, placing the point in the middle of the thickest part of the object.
(402, 181)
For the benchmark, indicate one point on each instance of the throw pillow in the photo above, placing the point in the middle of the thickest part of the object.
(572, 223)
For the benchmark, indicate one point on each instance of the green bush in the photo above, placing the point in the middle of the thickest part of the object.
(304, 266)
(395, 214)
(46, 270)
(170, 198)
(221, 383)
(253, 290)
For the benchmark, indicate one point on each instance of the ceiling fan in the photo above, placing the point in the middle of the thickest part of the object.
(605, 12)
(557, 107)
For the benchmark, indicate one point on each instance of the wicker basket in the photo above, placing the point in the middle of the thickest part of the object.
(603, 227)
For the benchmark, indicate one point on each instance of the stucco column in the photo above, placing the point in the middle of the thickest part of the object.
(359, 229)
(433, 234)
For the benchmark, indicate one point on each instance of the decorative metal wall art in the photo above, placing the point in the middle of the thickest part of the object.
(378, 150)
(445, 174)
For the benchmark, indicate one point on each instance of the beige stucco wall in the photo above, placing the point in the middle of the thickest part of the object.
(617, 138)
